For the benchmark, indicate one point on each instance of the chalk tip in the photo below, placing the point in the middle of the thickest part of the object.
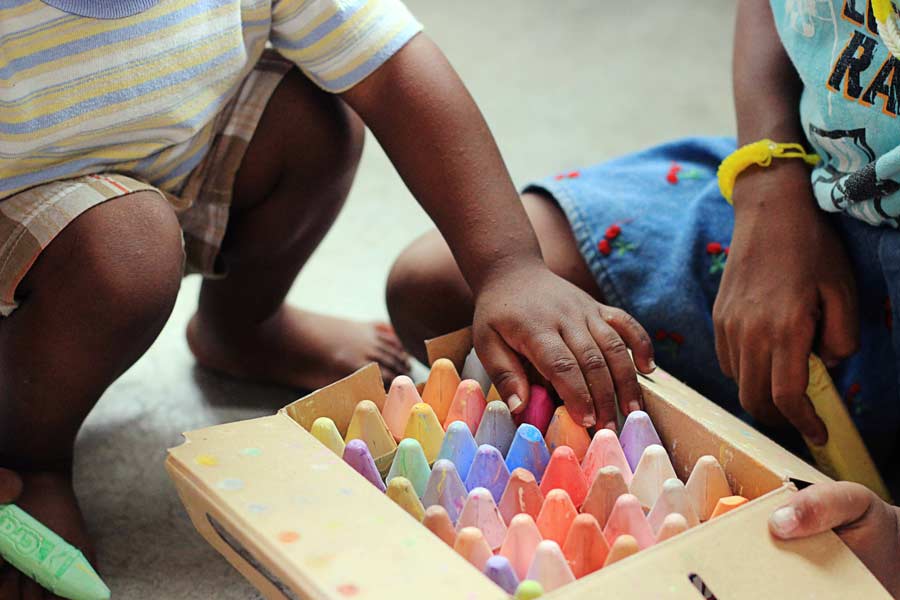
(529, 590)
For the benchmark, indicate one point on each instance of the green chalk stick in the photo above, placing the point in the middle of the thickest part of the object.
(39, 553)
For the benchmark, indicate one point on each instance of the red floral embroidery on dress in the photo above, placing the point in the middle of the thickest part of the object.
(612, 241)
(719, 254)
(669, 341)
(853, 399)
(675, 174)
(569, 175)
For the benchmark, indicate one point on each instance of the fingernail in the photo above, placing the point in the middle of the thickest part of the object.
(652, 365)
(611, 426)
(588, 421)
(784, 521)
(633, 406)
(515, 403)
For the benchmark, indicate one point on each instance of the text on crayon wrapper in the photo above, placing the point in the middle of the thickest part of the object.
(29, 542)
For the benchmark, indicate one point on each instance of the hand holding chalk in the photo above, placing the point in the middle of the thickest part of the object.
(39, 553)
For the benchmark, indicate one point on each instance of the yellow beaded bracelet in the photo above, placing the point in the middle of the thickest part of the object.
(760, 153)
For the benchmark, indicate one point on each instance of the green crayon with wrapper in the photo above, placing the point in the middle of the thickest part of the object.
(33, 549)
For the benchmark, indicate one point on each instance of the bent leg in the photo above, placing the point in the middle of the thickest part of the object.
(93, 302)
(292, 184)
(427, 295)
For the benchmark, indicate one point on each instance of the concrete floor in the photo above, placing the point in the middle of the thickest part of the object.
(563, 84)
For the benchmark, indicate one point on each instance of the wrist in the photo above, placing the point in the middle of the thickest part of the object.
(518, 267)
(784, 186)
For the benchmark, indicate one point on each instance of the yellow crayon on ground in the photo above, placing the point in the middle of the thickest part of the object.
(844, 456)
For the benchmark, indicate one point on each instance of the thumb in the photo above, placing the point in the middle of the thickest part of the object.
(821, 507)
(505, 369)
(10, 486)
(840, 326)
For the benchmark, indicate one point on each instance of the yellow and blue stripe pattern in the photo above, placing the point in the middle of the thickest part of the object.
(140, 95)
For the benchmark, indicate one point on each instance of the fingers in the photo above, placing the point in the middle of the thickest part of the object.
(822, 507)
(504, 368)
(593, 364)
(840, 325)
(552, 357)
(754, 387)
(723, 346)
(10, 486)
(790, 376)
(634, 335)
(621, 368)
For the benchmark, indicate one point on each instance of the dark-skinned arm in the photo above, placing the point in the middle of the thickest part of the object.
(426, 121)
(787, 282)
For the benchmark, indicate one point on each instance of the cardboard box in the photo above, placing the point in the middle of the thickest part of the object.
(297, 522)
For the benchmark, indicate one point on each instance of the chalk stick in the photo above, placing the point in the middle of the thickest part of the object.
(467, 406)
(672, 525)
(438, 522)
(474, 369)
(564, 472)
(500, 571)
(556, 516)
(538, 411)
(604, 451)
(488, 471)
(441, 387)
(528, 451)
(607, 487)
(652, 471)
(402, 396)
(496, 428)
(637, 433)
(357, 455)
(585, 548)
(623, 547)
(367, 425)
(627, 518)
(727, 504)
(410, 463)
(549, 567)
(672, 499)
(423, 425)
(459, 447)
(324, 430)
(529, 590)
(563, 431)
(522, 495)
(480, 511)
(402, 492)
(522, 539)
(492, 395)
(706, 485)
(471, 545)
(446, 489)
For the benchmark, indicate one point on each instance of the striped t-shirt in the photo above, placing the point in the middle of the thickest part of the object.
(139, 94)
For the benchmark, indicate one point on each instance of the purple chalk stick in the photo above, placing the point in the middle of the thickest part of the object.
(357, 455)
(445, 488)
(488, 471)
(500, 571)
(637, 433)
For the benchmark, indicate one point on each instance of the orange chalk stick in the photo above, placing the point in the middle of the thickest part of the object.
(471, 545)
(522, 495)
(605, 451)
(438, 522)
(467, 406)
(564, 472)
(585, 548)
(607, 487)
(727, 504)
(706, 485)
(402, 396)
(563, 431)
(481, 512)
(556, 516)
(627, 518)
(423, 426)
(441, 387)
(623, 547)
(522, 538)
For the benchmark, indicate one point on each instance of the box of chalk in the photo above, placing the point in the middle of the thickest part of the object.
(436, 491)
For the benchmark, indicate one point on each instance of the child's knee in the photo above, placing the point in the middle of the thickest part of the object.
(125, 256)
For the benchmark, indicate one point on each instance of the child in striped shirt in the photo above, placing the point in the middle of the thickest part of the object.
(140, 138)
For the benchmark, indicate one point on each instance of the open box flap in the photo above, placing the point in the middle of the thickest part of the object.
(291, 515)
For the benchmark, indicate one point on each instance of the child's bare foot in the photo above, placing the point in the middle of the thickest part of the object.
(297, 348)
(48, 497)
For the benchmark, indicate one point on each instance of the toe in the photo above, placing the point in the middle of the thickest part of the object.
(387, 336)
